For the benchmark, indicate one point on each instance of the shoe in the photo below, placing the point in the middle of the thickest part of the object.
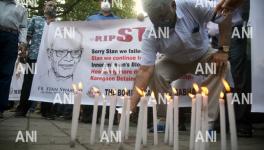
(1, 115)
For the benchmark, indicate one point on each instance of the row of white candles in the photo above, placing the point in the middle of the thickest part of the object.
(199, 118)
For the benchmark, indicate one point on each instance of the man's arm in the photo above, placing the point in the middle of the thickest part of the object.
(142, 80)
(225, 29)
(227, 6)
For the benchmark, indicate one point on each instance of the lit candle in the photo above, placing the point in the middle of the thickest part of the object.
(103, 116)
(143, 101)
(155, 124)
(222, 121)
(192, 133)
(76, 111)
(166, 137)
(123, 119)
(176, 120)
(204, 115)
(95, 109)
(112, 112)
(127, 117)
(198, 114)
(231, 116)
(145, 121)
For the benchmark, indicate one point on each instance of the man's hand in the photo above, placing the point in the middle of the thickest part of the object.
(227, 6)
(221, 59)
(142, 79)
(22, 52)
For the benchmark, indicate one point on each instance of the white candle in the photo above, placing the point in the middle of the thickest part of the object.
(123, 119)
(76, 111)
(145, 121)
(171, 131)
(95, 109)
(176, 120)
(112, 113)
(198, 115)
(127, 117)
(192, 133)
(155, 124)
(231, 116)
(103, 116)
(204, 115)
(198, 118)
(232, 122)
(143, 100)
(222, 121)
(166, 137)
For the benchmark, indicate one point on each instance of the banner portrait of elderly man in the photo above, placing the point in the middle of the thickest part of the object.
(64, 54)
(186, 47)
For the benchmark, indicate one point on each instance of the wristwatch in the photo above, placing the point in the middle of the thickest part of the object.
(224, 49)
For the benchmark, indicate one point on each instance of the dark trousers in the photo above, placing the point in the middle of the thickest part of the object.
(25, 103)
(8, 56)
(241, 72)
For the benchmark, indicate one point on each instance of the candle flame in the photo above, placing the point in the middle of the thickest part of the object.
(174, 90)
(95, 89)
(196, 87)
(141, 93)
(168, 97)
(204, 90)
(80, 86)
(125, 91)
(226, 85)
(152, 94)
(221, 95)
(114, 93)
(74, 87)
(191, 95)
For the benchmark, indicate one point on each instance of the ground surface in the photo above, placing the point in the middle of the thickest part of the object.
(55, 135)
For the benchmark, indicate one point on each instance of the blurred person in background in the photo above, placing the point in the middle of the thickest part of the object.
(13, 31)
(34, 35)
(104, 14)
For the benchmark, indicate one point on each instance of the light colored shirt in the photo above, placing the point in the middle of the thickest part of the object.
(14, 16)
(187, 42)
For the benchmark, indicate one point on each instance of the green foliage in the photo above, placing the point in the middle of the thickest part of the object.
(79, 9)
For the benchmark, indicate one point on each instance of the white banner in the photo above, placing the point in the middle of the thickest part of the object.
(17, 81)
(102, 54)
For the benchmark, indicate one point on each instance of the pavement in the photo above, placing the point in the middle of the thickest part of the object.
(55, 135)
